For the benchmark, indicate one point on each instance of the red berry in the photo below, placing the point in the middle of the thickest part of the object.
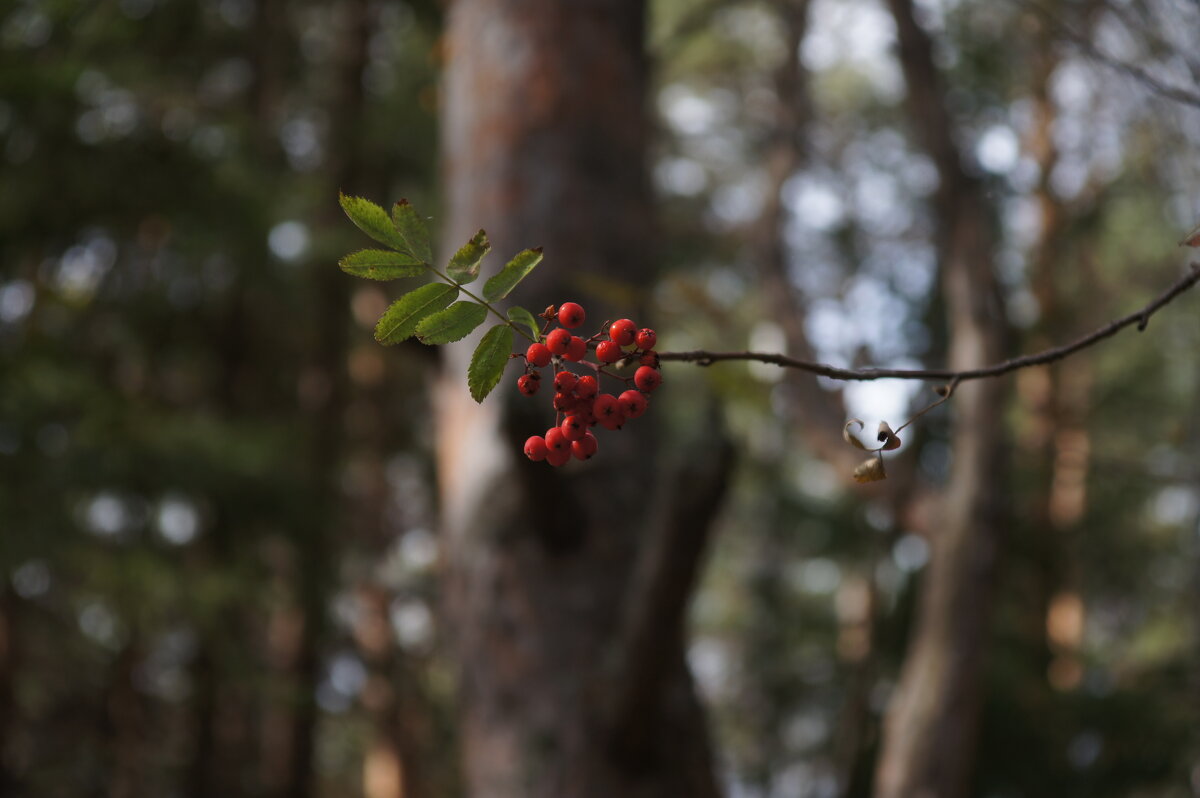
(649, 358)
(535, 448)
(622, 331)
(647, 378)
(538, 355)
(586, 387)
(614, 421)
(576, 350)
(605, 405)
(585, 447)
(558, 341)
(632, 403)
(570, 315)
(646, 338)
(558, 458)
(528, 384)
(564, 382)
(608, 351)
(555, 441)
(564, 402)
(573, 427)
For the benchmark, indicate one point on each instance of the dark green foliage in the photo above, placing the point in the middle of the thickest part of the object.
(373, 221)
(513, 273)
(413, 231)
(489, 360)
(381, 264)
(464, 266)
(452, 324)
(523, 317)
(406, 313)
(426, 311)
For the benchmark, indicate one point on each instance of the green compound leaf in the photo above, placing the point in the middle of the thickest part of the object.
(519, 315)
(464, 266)
(372, 220)
(499, 286)
(381, 264)
(413, 232)
(452, 324)
(489, 360)
(401, 319)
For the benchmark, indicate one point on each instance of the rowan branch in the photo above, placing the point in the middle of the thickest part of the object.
(1139, 317)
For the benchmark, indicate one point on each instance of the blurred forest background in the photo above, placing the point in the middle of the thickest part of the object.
(245, 550)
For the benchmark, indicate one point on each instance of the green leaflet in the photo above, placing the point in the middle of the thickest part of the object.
(452, 324)
(489, 360)
(464, 266)
(372, 220)
(381, 264)
(412, 230)
(514, 272)
(401, 319)
(519, 315)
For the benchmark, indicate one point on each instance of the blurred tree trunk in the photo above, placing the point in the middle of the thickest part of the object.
(567, 627)
(9, 781)
(1055, 403)
(932, 723)
(324, 397)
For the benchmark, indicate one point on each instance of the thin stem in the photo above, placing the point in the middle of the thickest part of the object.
(1140, 317)
(480, 300)
(949, 391)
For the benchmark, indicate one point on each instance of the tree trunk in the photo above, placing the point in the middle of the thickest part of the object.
(9, 644)
(544, 143)
(932, 723)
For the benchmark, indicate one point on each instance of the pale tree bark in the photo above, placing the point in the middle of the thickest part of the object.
(564, 591)
(931, 726)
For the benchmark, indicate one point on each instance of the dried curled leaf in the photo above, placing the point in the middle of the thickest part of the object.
(1192, 239)
(887, 437)
(870, 471)
(849, 436)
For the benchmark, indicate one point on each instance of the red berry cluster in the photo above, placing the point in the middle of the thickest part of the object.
(578, 403)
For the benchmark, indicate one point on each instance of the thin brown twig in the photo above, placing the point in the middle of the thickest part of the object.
(947, 392)
(1140, 317)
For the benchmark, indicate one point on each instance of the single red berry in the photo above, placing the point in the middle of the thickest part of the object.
(573, 427)
(564, 402)
(528, 384)
(538, 355)
(646, 338)
(535, 448)
(647, 378)
(586, 387)
(571, 315)
(605, 406)
(649, 358)
(576, 350)
(608, 351)
(632, 403)
(558, 341)
(555, 441)
(558, 458)
(622, 331)
(564, 381)
(585, 447)
(614, 421)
